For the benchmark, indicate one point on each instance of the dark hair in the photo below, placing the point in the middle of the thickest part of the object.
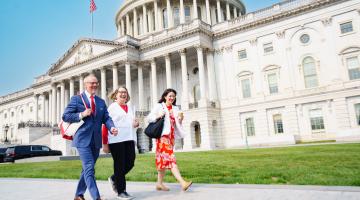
(112, 96)
(165, 93)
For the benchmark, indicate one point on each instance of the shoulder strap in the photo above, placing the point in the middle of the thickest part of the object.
(83, 101)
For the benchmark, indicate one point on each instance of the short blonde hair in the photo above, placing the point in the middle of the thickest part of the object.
(112, 96)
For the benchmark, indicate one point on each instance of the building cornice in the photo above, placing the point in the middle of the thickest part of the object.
(177, 33)
(28, 92)
(238, 25)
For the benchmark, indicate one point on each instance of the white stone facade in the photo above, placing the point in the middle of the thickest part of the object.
(286, 73)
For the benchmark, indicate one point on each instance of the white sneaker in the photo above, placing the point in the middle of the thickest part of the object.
(112, 184)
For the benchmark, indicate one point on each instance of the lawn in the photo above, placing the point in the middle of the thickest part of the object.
(335, 164)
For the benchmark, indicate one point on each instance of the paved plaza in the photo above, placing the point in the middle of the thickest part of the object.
(51, 189)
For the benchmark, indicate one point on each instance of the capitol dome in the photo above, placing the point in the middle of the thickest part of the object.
(130, 18)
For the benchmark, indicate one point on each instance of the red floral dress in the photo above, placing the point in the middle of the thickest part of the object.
(165, 158)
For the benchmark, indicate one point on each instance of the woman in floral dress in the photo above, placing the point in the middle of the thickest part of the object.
(165, 158)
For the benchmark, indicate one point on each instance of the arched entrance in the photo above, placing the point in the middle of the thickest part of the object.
(195, 134)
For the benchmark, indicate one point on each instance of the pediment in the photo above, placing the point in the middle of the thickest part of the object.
(83, 50)
(349, 50)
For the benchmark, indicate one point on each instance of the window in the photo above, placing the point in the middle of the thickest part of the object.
(199, 13)
(245, 85)
(12, 114)
(357, 112)
(346, 27)
(316, 120)
(138, 27)
(176, 16)
(5, 115)
(273, 84)
(278, 124)
(310, 75)
(268, 47)
(305, 38)
(165, 19)
(353, 66)
(187, 14)
(250, 128)
(31, 108)
(242, 54)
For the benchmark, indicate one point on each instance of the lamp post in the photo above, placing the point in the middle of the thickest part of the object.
(6, 130)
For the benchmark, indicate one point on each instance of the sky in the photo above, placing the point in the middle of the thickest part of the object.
(36, 33)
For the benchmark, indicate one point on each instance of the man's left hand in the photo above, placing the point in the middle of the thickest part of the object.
(114, 131)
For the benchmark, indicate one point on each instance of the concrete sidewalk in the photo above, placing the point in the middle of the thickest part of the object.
(50, 189)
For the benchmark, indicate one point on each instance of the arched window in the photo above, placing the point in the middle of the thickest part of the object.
(165, 19)
(176, 16)
(187, 14)
(310, 75)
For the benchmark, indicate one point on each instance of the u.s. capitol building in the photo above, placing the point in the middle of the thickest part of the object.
(283, 74)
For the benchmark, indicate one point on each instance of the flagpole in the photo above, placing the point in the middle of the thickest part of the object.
(92, 25)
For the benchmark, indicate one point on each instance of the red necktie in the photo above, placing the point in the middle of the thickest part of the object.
(92, 104)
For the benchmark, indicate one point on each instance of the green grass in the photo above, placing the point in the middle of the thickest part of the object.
(336, 164)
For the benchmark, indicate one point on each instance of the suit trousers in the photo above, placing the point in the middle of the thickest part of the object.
(88, 157)
(123, 154)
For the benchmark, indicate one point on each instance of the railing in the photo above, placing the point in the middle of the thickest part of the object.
(33, 124)
(16, 95)
(55, 130)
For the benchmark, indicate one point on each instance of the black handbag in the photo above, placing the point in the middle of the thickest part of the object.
(154, 129)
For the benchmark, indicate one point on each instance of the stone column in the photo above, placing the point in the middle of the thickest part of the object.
(53, 104)
(182, 12)
(49, 113)
(136, 33)
(144, 20)
(127, 24)
(208, 16)
(36, 107)
(168, 12)
(150, 21)
(122, 27)
(200, 57)
(128, 77)
(211, 75)
(58, 103)
(43, 107)
(196, 16)
(219, 11)
(81, 83)
(141, 87)
(184, 79)
(156, 15)
(227, 11)
(71, 87)
(103, 83)
(168, 70)
(46, 109)
(62, 96)
(153, 81)
(115, 76)
(66, 98)
(235, 12)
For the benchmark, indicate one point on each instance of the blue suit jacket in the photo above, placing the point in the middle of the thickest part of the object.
(92, 124)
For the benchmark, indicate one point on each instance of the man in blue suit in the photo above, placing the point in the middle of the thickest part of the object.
(87, 139)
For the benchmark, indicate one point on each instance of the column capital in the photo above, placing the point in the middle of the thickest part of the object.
(182, 51)
(199, 47)
(167, 56)
(153, 60)
(209, 50)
